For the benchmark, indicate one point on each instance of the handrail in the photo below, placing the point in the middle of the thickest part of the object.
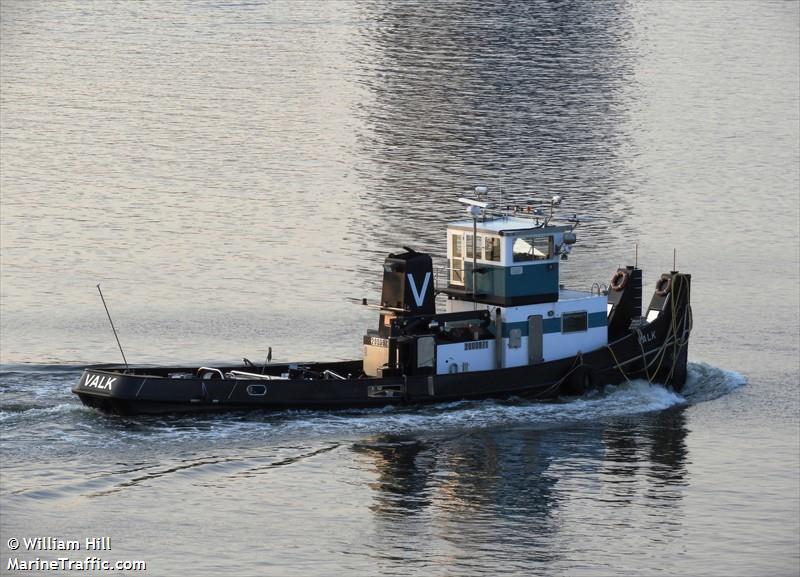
(256, 376)
(202, 370)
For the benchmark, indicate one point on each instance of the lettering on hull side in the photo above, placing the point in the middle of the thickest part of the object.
(100, 382)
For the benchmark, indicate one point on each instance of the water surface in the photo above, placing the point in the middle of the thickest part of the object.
(231, 172)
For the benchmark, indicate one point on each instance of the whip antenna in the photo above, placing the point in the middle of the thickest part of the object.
(267, 361)
(112, 327)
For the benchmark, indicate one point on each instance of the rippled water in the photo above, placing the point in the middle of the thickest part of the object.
(232, 171)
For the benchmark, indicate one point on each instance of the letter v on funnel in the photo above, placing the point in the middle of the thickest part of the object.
(419, 296)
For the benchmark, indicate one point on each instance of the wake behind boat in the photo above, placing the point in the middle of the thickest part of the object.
(509, 329)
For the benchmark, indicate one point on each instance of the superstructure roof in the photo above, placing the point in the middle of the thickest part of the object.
(507, 225)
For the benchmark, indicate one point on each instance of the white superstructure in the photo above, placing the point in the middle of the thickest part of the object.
(508, 263)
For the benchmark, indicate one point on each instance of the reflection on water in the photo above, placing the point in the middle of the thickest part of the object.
(529, 98)
(650, 448)
(521, 487)
(402, 468)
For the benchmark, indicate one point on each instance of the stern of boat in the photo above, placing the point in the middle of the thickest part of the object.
(671, 306)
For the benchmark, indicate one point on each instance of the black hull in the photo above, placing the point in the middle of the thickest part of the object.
(656, 352)
(151, 391)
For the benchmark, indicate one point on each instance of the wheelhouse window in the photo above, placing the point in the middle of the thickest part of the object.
(533, 248)
(478, 245)
(492, 248)
(574, 322)
(457, 245)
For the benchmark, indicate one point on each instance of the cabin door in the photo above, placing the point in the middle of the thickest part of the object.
(457, 259)
(535, 335)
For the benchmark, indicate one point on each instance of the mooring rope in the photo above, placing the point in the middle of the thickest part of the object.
(672, 338)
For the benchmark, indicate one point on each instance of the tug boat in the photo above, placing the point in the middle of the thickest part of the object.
(509, 328)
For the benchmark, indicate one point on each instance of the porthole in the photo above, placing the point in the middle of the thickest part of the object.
(256, 390)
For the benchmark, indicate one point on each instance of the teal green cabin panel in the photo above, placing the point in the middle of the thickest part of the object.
(536, 279)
